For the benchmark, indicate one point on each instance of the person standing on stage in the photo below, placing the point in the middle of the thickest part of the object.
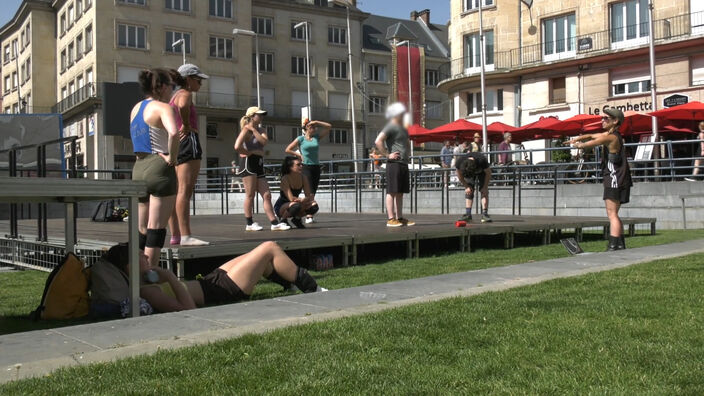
(698, 161)
(393, 143)
(446, 159)
(476, 145)
(189, 78)
(309, 146)
(293, 182)
(250, 145)
(614, 170)
(473, 171)
(505, 146)
(154, 136)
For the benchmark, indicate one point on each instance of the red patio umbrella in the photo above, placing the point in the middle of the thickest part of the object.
(541, 129)
(632, 122)
(576, 124)
(421, 135)
(458, 126)
(499, 127)
(688, 111)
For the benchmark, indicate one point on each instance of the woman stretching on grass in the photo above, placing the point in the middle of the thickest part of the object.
(231, 282)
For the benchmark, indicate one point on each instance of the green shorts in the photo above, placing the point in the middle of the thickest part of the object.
(160, 177)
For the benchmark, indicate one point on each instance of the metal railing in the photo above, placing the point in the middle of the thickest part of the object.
(582, 46)
(83, 93)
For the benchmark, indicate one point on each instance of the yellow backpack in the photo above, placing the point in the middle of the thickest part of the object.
(66, 291)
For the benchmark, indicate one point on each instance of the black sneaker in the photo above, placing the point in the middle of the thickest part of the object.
(466, 217)
(296, 221)
(486, 218)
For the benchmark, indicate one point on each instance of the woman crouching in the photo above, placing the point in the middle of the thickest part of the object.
(289, 205)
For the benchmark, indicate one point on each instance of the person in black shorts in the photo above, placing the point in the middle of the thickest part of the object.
(231, 282)
(614, 169)
(473, 171)
(293, 182)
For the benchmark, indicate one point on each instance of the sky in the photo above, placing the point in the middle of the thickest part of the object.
(439, 12)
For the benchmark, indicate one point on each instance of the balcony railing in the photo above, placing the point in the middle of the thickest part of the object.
(83, 93)
(583, 46)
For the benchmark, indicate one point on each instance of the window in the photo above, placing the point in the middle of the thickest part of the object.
(63, 60)
(697, 66)
(211, 130)
(472, 54)
(263, 26)
(298, 65)
(337, 69)
(178, 5)
(62, 24)
(28, 68)
(89, 76)
(14, 80)
(71, 55)
(629, 23)
(266, 62)
(431, 77)
(8, 110)
(220, 8)
(220, 47)
(337, 35)
(79, 9)
(64, 93)
(71, 88)
(16, 108)
(69, 15)
(321, 3)
(376, 105)
(139, 2)
(339, 106)
(23, 71)
(627, 88)
(558, 93)
(338, 136)
(80, 82)
(299, 34)
(630, 80)
(22, 40)
(79, 46)
(377, 72)
(14, 49)
(89, 38)
(559, 37)
(6, 85)
(28, 34)
(172, 37)
(433, 110)
(470, 5)
(6, 54)
(88, 4)
(270, 132)
(494, 101)
(131, 36)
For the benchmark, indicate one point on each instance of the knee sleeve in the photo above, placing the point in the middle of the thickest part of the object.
(142, 241)
(305, 282)
(276, 278)
(155, 237)
(313, 209)
(293, 209)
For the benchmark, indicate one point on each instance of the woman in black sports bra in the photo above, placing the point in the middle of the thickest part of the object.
(614, 169)
(289, 205)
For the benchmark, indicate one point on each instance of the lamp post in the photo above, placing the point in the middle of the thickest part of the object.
(482, 82)
(310, 106)
(410, 91)
(256, 55)
(653, 86)
(182, 43)
(346, 4)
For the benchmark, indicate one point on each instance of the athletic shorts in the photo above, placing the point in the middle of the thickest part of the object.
(252, 165)
(622, 195)
(189, 149)
(160, 177)
(218, 289)
(476, 182)
(312, 173)
(279, 203)
(397, 178)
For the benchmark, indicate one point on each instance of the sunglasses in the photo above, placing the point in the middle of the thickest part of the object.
(298, 164)
(198, 80)
(605, 118)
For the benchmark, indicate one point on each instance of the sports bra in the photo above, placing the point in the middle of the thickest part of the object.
(146, 138)
(192, 118)
(253, 145)
(295, 191)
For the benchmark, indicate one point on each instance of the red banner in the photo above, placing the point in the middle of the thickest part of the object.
(417, 77)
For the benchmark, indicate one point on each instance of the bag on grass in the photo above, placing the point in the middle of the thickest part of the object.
(65, 292)
(109, 287)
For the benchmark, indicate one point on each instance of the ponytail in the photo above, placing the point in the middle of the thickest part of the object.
(244, 121)
(153, 79)
(177, 78)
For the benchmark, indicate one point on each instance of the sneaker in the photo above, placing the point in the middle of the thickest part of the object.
(466, 217)
(407, 222)
(280, 227)
(191, 241)
(690, 179)
(254, 227)
(310, 220)
(486, 218)
(393, 223)
(296, 221)
(320, 289)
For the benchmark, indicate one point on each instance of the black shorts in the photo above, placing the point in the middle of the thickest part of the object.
(218, 288)
(279, 203)
(252, 165)
(397, 178)
(622, 195)
(189, 149)
(312, 173)
(477, 181)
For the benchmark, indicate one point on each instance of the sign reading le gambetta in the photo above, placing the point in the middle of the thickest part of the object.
(628, 106)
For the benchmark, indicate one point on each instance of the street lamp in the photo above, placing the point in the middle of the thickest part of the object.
(297, 26)
(256, 54)
(182, 43)
(346, 4)
(410, 91)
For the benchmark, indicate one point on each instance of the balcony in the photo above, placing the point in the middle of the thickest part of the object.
(84, 93)
(680, 27)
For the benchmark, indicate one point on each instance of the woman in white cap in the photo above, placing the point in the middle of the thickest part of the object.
(250, 145)
(189, 78)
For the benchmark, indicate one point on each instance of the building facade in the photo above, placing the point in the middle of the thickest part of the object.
(570, 57)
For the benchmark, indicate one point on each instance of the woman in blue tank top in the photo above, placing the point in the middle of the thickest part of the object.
(155, 139)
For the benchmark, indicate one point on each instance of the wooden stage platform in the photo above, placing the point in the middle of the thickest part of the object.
(345, 231)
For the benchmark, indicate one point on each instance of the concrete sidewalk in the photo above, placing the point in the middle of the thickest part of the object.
(39, 352)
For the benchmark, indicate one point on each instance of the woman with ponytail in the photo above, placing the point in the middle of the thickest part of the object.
(250, 145)
(155, 139)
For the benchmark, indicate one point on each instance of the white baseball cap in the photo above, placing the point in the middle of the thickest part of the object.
(394, 110)
(189, 69)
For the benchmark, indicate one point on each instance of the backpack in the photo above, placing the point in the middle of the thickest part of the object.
(66, 291)
(110, 210)
(109, 287)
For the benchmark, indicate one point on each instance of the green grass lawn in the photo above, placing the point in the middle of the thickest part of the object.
(20, 292)
(636, 330)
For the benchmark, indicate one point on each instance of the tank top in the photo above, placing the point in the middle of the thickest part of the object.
(146, 138)
(309, 149)
(295, 191)
(614, 167)
(192, 118)
(253, 144)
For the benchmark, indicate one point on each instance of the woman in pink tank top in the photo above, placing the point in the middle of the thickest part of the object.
(189, 78)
